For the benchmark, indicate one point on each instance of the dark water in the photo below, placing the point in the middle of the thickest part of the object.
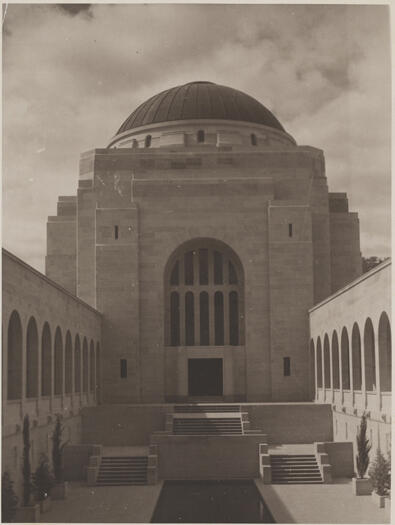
(211, 502)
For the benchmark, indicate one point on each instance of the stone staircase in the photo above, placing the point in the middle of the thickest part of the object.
(205, 408)
(295, 469)
(123, 470)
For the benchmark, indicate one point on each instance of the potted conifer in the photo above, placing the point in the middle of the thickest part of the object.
(59, 491)
(380, 474)
(362, 486)
(29, 511)
(9, 500)
(43, 481)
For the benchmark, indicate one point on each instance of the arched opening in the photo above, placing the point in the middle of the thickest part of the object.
(135, 144)
(98, 365)
(147, 142)
(204, 290)
(58, 380)
(312, 370)
(85, 374)
(46, 361)
(92, 374)
(77, 364)
(200, 136)
(356, 358)
(14, 355)
(254, 141)
(327, 362)
(369, 353)
(32, 359)
(385, 357)
(319, 363)
(345, 357)
(68, 365)
(335, 360)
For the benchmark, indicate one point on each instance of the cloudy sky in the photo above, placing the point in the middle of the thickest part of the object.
(72, 74)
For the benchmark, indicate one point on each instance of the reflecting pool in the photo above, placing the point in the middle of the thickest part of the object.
(234, 501)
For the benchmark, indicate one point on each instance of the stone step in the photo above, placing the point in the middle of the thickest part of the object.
(206, 408)
(123, 470)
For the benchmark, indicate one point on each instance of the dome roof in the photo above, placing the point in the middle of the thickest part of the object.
(200, 100)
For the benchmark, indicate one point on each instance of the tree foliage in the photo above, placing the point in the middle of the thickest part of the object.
(57, 449)
(362, 458)
(9, 500)
(26, 470)
(43, 480)
(380, 474)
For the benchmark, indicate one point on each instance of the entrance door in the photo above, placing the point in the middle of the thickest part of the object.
(205, 377)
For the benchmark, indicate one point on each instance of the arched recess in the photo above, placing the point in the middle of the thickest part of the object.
(92, 367)
(312, 369)
(319, 363)
(14, 354)
(356, 358)
(369, 353)
(204, 290)
(327, 362)
(46, 361)
(335, 360)
(58, 368)
(345, 359)
(68, 364)
(32, 359)
(85, 372)
(385, 357)
(77, 364)
(98, 372)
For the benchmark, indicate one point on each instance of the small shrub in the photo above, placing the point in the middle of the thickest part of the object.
(57, 450)
(26, 470)
(9, 500)
(362, 458)
(380, 474)
(43, 480)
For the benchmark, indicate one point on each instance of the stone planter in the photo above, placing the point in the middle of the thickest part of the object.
(362, 486)
(59, 491)
(45, 505)
(29, 514)
(379, 500)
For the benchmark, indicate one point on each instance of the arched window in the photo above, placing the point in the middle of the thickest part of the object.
(14, 354)
(92, 367)
(200, 136)
(85, 374)
(204, 288)
(345, 357)
(356, 358)
(327, 362)
(32, 359)
(147, 142)
(319, 364)
(335, 361)
(254, 141)
(385, 357)
(68, 365)
(77, 364)
(312, 370)
(369, 353)
(135, 144)
(58, 380)
(46, 362)
(98, 364)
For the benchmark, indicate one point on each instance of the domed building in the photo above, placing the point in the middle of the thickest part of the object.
(203, 234)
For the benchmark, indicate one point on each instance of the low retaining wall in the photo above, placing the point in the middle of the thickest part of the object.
(208, 457)
(76, 460)
(341, 458)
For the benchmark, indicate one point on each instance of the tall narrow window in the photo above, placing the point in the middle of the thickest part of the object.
(124, 368)
(232, 274)
(290, 230)
(287, 366)
(254, 141)
(189, 320)
(174, 319)
(204, 319)
(203, 266)
(174, 278)
(200, 135)
(233, 319)
(218, 273)
(135, 144)
(116, 232)
(188, 267)
(219, 318)
(147, 142)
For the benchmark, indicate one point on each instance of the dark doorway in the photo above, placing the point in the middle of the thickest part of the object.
(211, 502)
(205, 377)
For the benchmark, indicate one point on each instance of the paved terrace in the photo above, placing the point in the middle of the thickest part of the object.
(333, 503)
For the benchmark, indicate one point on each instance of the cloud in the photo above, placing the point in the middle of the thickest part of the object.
(73, 74)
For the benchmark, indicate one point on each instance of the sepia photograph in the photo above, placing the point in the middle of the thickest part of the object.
(196, 263)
